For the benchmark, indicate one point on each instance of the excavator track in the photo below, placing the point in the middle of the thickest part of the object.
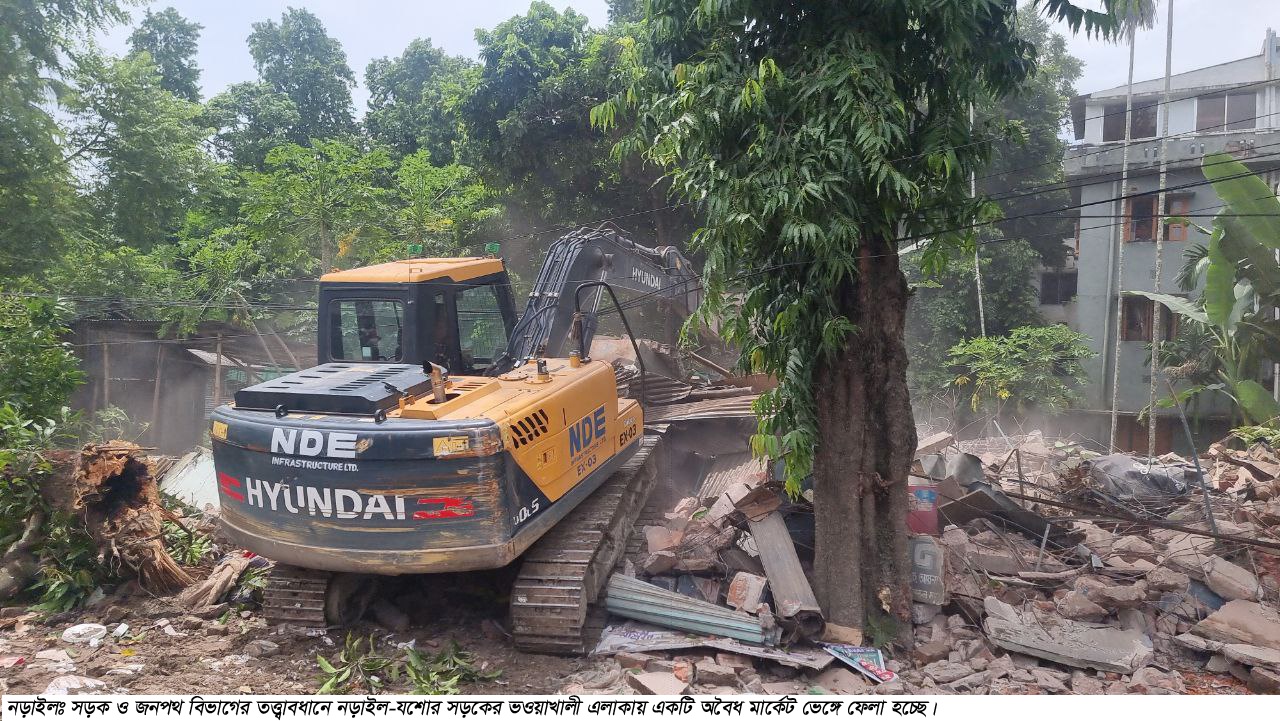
(564, 571)
(296, 596)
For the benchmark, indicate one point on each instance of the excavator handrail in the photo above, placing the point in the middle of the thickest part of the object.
(582, 336)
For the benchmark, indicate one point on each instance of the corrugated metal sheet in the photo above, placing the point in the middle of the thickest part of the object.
(632, 598)
(792, 595)
(739, 407)
(659, 389)
(729, 469)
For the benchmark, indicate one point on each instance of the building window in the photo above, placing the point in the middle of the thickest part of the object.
(1057, 287)
(1141, 221)
(1136, 318)
(1144, 121)
(1140, 218)
(1175, 206)
(1226, 111)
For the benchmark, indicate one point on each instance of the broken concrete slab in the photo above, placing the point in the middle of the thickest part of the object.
(1076, 606)
(1229, 580)
(1165, 579)
(657, 683)
(1253, 655)
(1263, 681)
(1198, 643)
(1242, 622)
(715, 674)
(1117, 597)
(1070, 643)
(840, 680)
(661, 538)
(944, 672)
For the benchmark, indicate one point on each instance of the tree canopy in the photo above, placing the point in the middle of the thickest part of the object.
(171, 40)
(298, 58)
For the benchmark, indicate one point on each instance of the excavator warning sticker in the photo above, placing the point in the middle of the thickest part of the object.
(448, 445)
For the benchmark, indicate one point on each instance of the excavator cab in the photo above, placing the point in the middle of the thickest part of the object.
(455, 312)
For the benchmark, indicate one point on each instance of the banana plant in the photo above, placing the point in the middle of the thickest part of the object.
(1241, 287)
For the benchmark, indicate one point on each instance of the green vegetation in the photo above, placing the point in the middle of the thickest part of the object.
(1031, 368)
(815, 139)
(1231, 321)
(360, 667)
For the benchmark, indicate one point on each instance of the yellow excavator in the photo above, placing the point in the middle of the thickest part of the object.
(440, 432)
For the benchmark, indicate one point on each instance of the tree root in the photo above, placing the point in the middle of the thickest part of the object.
(115, 495)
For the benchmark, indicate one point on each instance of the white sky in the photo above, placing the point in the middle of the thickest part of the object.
(1206, 32)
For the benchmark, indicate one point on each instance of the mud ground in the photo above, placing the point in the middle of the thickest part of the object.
(217, 656)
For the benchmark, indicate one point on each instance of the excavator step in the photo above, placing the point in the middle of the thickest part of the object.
(564, 571)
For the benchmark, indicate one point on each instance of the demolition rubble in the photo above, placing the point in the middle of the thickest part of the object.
(1040, 567)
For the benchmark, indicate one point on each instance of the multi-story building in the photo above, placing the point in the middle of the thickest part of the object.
(1233, 108)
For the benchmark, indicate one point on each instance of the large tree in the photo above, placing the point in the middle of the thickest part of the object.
(249, 119)
(413, 100)
(37, 202)
(815, 138)
(171, 40)
(297, 57)
(140, 147)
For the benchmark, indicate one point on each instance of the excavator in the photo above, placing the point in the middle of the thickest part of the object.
(442, 433)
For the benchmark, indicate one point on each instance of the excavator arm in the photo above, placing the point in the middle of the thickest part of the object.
(589, 256)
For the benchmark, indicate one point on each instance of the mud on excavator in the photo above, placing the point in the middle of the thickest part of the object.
(441, 433)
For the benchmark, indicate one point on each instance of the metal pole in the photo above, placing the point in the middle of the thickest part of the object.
(1124, 190)
(977, 267)
(217, 373)
(1153, 422)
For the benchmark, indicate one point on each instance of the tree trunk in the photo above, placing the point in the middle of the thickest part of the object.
(867, 439)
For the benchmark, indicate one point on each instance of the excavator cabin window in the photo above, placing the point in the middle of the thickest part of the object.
(366, 330)
(482, 334)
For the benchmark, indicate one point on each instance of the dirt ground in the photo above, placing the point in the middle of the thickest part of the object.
(204, 656)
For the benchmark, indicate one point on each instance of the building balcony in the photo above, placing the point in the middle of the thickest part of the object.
(1256, 145)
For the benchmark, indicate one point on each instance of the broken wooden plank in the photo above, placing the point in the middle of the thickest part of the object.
(792, 594)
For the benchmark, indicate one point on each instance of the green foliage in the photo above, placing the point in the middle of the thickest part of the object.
(317, 203)
(356, 668)
(811, 136)
(187, 548)
(141, 147)
(37, 201)
(1249, 435)
(441, 673)
(1232, 316)
(441, 208)
(250, 119)
(297, 57)
(1030, 368)
(171, 41)
(67, 557)
(944, 308)
(38, 370)
(414, 99)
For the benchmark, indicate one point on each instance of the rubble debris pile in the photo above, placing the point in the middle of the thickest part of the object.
(1052, 570)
